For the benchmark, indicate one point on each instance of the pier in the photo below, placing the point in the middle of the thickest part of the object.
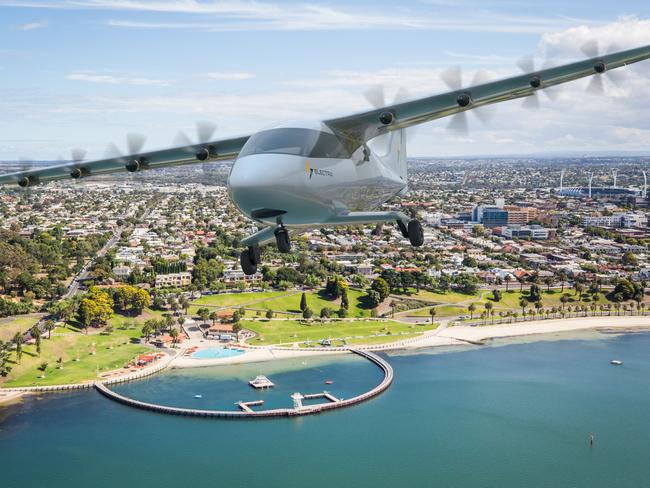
(246, 412)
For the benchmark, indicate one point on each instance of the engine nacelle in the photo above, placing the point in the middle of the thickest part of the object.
(77, 173)
(599, 67)
(464, 99)
(136, 164)
(26, 181)
(535, 82)
(203, 154)
(386, 118)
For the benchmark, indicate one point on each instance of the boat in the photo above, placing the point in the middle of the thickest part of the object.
(198, 396)
(329, 382)
(261, 382)
(616, 362)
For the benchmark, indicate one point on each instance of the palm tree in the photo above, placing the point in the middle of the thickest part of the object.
(213, 317)
(548, 281)
(432, 313)
(203, 314)
(471, 309)
(488, 308)
(18, 340)
(523, 303)
(174, 335)
(562, 276)
(36, 334)
(507, 279)
(49, 327)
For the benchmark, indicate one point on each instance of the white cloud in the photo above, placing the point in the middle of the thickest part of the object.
(92, 77)
(32, 26)
(248, 16)
(230, 76)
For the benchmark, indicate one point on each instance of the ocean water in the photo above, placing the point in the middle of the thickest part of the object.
(517, 415)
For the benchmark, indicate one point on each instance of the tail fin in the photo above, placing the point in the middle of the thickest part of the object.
(391, 149)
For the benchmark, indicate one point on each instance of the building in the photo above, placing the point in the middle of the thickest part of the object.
(494, 217)
(619, 220)
(173, 280)
(122, 273)
(534, 232)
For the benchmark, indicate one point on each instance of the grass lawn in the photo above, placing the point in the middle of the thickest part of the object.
(441, 311)
(235, 299)
(509, 301)
(74, 345)
(316, 301)
(18, 323)
(283, 302)
(288, 331)
(449, 297)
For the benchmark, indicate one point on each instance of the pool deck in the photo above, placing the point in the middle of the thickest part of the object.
(251, 356)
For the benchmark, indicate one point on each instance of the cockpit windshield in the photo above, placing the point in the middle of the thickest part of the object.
(299, 142)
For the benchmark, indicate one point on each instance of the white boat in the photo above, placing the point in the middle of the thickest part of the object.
(198, 396)
(616, 362)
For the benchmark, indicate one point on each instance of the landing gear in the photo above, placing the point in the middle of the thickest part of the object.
(282, 240)
(249, 259)
(402, 228)
(415, 233)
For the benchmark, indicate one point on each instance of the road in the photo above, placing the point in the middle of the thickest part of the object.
(73, 289)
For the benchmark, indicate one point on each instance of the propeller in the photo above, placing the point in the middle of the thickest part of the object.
(132, 162)
(453, 78)
(204, 132)
(77, 156)
(376, 96)
(592, 49)
(527, 65)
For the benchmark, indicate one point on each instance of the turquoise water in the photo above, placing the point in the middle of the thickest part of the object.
(216, 352)
(511, 416)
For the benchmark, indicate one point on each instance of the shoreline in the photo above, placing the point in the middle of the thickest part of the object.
(449, 337)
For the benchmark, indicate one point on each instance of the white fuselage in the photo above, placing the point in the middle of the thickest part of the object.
(304, 189)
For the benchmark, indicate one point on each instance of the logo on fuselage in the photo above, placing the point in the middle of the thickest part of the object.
(319, 172)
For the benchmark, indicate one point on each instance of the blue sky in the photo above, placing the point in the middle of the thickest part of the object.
(83, 73)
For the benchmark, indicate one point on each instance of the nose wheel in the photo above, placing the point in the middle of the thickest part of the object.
(249, 259)
(282, 239)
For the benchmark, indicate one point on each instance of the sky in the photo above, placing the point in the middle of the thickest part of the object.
(84, 73)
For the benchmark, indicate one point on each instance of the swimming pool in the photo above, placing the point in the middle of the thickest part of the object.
(216, 353)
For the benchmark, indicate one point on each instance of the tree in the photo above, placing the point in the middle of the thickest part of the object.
(535, 294)
(269, 314)
(96, 308)
(18, 341)
(236, 328)
(507, 278)
(432, 313)
(344, 300)
(307, 313)
(214, 316)
(325, 313)
(49, 326)
(523, 303)
(342, 312)
(562, 276)
(36, 334)
(203, 314)
(236, 317)
(303, 302)
(380, 286)
(174, 335)
(496, 295)
(548, 281)
(488, 308)
(42, 367)
(629, 259)
(564, 299)
(60, 363)
(374, 299)
(471, 308)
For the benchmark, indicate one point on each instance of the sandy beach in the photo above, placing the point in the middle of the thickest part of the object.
(442, 337)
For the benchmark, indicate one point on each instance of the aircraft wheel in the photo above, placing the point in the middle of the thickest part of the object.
(249, 259)
(402, 228)
(415, 233)
(282, 240)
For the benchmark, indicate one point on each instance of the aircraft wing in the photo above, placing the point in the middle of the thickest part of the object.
(362, 127)
(219, 150)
